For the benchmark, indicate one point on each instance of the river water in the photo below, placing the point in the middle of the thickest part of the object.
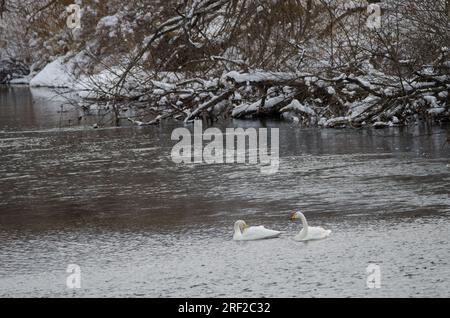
(111, 201)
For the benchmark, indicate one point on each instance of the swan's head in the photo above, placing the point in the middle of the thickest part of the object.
(240, 226)
(296, 216)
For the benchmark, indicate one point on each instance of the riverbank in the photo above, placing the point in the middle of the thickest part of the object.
(370, 100)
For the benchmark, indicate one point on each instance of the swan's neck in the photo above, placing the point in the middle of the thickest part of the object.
(304, 232)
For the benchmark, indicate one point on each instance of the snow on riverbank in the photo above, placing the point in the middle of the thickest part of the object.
(340, 101)
(61, 73)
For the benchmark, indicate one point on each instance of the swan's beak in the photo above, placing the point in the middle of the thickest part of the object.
(294, 216)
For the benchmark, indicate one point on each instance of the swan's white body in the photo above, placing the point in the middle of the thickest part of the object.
(244, 233)
(309, 233)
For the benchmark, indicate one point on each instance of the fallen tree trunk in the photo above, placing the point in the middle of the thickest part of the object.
(211, 103)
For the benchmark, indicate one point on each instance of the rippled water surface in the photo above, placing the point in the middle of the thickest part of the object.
(112, 201)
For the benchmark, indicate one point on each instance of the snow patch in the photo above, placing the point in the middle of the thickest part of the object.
(296, 106)
(55, 74)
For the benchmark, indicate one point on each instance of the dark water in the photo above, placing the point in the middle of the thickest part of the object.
(112, 201)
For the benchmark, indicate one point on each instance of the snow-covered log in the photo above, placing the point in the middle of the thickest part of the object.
(268, 106)
(212, 102)
(297, 107)
(265, 79)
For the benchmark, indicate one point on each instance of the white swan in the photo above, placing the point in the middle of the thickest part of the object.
(242, 232)
(309, 233)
